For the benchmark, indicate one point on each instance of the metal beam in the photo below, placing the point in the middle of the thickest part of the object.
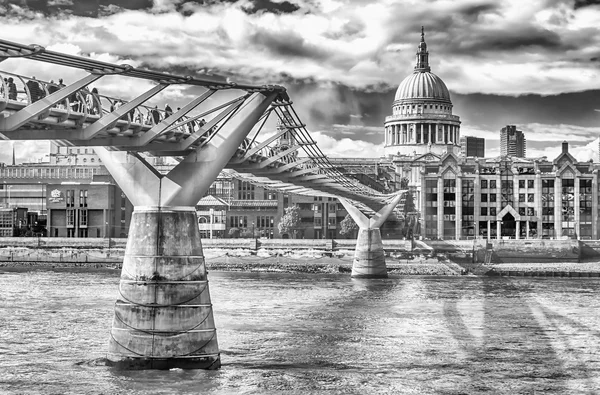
(280, 155)
(260, 146)
(194, 138)
(164, 125)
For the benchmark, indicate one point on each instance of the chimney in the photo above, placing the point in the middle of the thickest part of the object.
(565, 147)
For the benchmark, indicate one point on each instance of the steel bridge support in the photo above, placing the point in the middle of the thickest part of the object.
(163, 316)
(369, 256)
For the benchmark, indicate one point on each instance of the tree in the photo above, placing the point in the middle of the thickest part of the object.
(290, 221)
(348, 226)
(234, 232)
(409, 203)
(410, 217)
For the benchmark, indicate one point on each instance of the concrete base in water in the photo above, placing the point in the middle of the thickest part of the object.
(163, 316)
(369, 257)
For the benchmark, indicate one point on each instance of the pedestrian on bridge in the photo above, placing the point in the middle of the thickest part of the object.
(168, 111)
(35, 92)
(12, 89)
(155, 115)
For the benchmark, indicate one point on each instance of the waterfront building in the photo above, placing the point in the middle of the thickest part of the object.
(510, 197)
(30, 186)
(95, 209)
(472, 146)
(512, 142)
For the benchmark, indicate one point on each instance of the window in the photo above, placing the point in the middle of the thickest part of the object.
(492, 197)
(521, 183)
(484, 211)
(246, 190)
(83, 217)
(70, 198)
(484, 197)
(530, 197)
(484, 184)
(492, 184)
(493, 211)
(318, 222)
(529, 183)
(70, 218)
(521, 197)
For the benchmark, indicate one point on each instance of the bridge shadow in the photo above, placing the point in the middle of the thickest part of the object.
(515, 346)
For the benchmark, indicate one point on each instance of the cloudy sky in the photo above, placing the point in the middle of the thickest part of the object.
(534, 63)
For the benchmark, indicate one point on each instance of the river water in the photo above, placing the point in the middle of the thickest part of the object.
(325, 334)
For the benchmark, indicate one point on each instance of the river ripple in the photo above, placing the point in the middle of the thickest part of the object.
(326, 334)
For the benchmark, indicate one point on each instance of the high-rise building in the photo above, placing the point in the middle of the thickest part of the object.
(512, 142)
(472, 146)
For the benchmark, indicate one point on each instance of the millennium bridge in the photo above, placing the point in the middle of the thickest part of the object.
(163, 316)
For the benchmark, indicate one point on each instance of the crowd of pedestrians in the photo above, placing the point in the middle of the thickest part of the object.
(89, 100)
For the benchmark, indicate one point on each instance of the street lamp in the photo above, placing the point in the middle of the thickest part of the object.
(109, 235)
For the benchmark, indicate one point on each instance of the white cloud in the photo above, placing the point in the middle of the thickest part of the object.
(346, 148)
(356, 43)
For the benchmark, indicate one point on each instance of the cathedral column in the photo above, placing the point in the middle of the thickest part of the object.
(385, 135)
(430, 135)
(399, 132)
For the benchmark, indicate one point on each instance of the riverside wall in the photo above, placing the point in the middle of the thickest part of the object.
(25, 249)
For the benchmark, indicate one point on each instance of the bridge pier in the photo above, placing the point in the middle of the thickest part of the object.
(369, 256)
(163, 315)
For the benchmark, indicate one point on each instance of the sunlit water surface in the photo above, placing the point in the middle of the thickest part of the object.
(326, 334)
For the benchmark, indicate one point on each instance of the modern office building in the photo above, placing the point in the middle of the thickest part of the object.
(512, 142)
(472, 146)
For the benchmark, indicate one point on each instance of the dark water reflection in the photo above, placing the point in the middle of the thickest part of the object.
(326, 334)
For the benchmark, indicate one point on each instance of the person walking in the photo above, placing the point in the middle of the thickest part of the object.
(155, 115)
(12, 89)
(34, 90)
(168, 111)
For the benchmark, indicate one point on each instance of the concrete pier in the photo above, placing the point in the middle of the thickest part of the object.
(369, 256)
(163, 316)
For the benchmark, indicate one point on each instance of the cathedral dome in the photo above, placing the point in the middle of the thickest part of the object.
(422, 85)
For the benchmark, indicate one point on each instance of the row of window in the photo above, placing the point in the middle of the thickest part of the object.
(49, 172)
(70, 198)
(76, 216)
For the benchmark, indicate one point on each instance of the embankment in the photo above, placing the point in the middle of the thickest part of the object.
(439, 257)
